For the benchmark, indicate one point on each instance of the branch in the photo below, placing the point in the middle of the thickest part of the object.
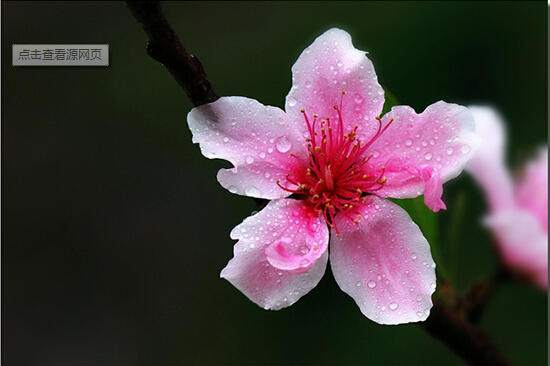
(474, 301)
(464, 338)
(165, 47)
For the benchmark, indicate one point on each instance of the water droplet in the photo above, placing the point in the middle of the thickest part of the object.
(428, 156)
(339, 64)
(308, 84)
(432, 285)
(225, 139)
(419, 314)
(449, 150)
(249, 159)
(262, 155)
(252, 191)
(408, 143)
(305, 262)
(358, 98)
(282, 144)
(291, 102)
(424, 143)
(413, 256)
(465, 149)
(232, 189)
(304, 249)
(393, 306)
(358, 284)
(375, 154)
(371, 284)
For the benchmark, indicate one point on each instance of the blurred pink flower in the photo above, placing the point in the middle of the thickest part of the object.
(331, 153)
(518, 208)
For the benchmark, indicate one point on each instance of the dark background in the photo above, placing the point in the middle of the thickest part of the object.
(114, 228)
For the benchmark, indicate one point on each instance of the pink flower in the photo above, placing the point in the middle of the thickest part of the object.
(329, 159)
(519, 208)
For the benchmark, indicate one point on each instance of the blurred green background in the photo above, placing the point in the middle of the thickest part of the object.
(114, 228)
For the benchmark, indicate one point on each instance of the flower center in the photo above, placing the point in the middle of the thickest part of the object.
(338, 175)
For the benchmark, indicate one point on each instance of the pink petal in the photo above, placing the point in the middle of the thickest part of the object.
(522, 243)
(326, 68)
(256, 139)
(440, 139)
(532, 189)
(384, 263)
(487, 166)
(281, 254)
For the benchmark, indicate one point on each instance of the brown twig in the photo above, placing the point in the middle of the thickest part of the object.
(475, 299)
(445, 322)
(165, 47)
(464, 338)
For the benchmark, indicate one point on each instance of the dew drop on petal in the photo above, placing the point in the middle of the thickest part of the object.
(291, 102)
(428, 156)
(232, 189)
(371, 284)
(249, 159)
(358, 284)
(408, 143)
(225, 139)
(252, 191)
(449, 150)
(393, 305)
(465, 149)
(282, 144)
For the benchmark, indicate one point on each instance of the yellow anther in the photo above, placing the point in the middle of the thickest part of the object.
(343, 92)
(335, 106)
(302, 110)
(316, 196)
(383, 180)
(315, 115)
(315, 249)
(317, 148)
(364, 176)
(359, 191)
(291, 154)
(383, 168)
